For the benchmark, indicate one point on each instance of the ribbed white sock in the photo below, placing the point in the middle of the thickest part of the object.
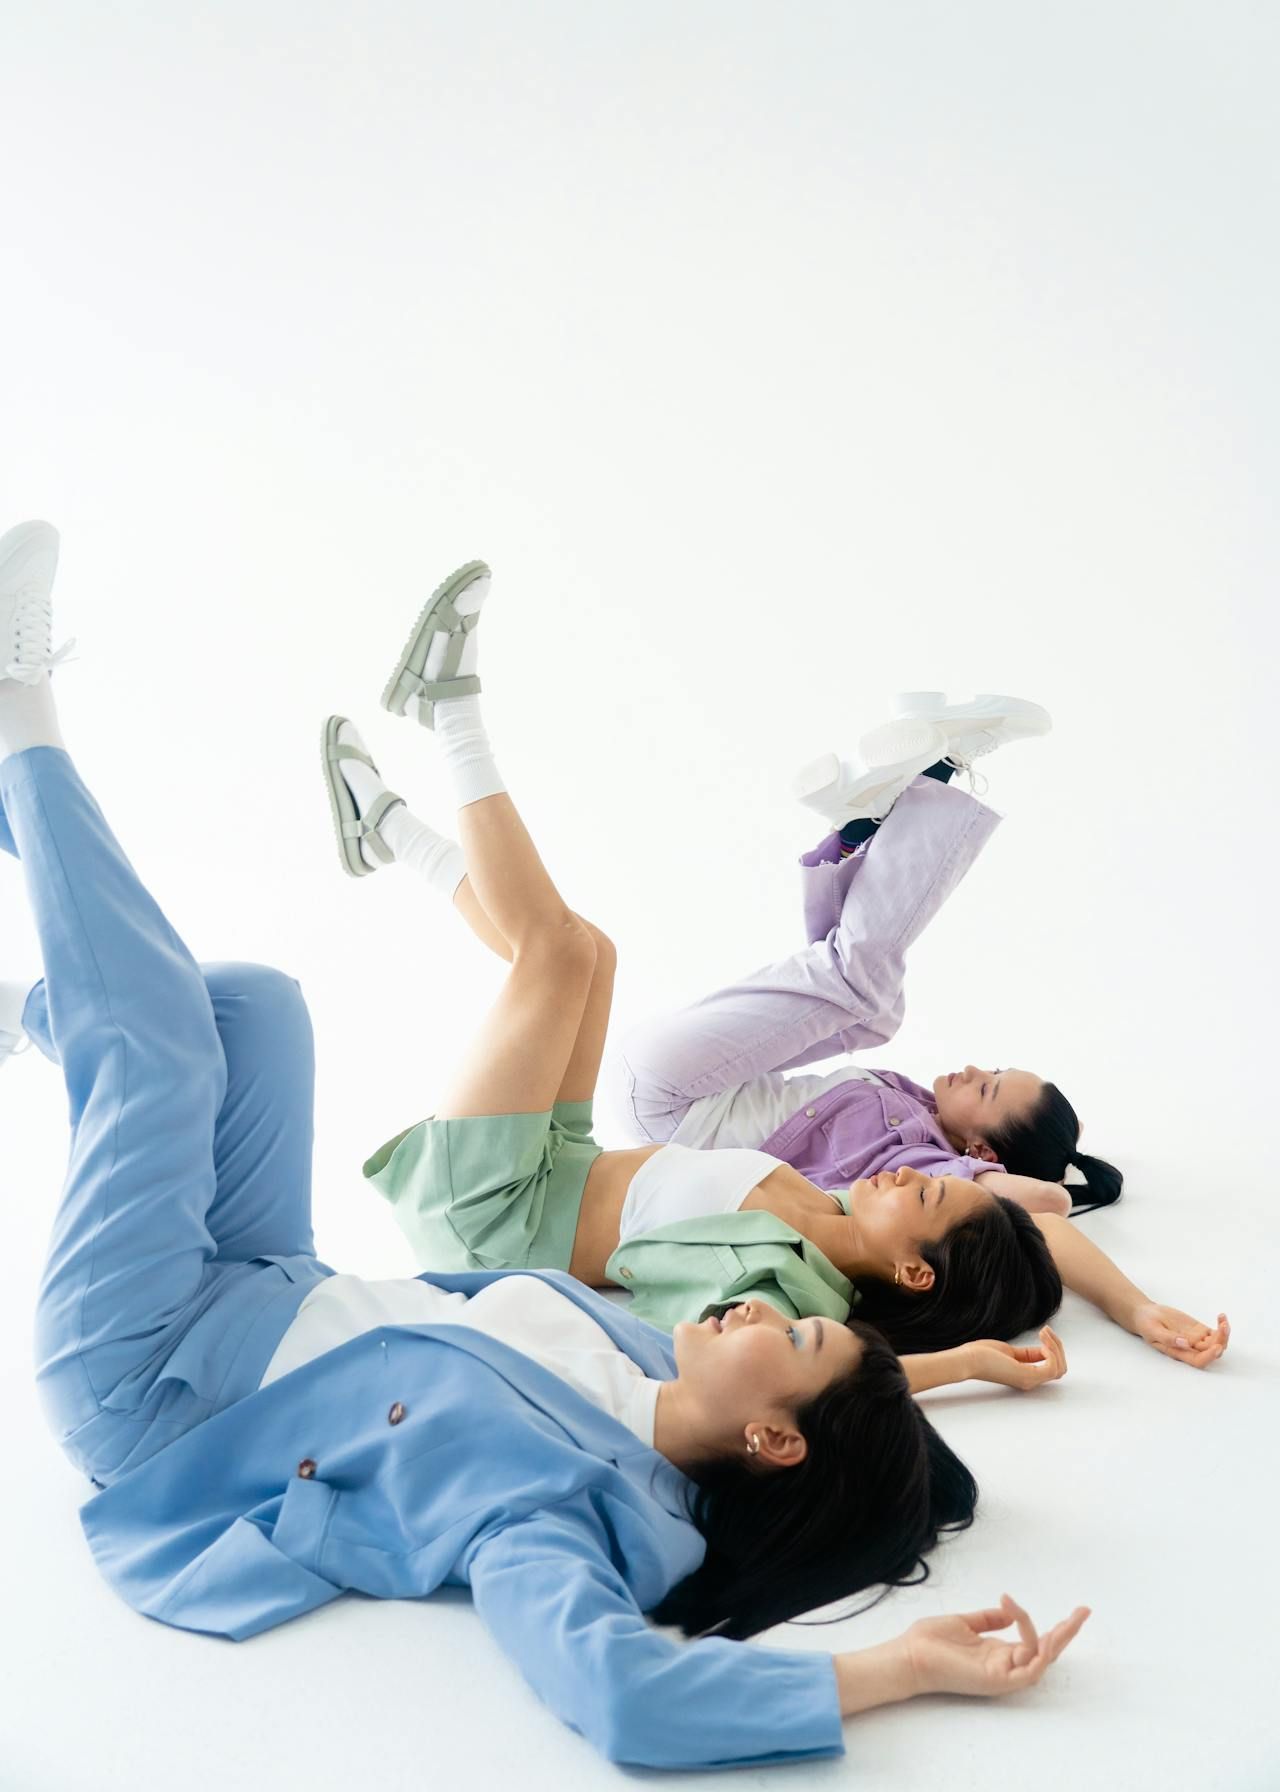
(28, 717)
(468, 756)
(436, 857)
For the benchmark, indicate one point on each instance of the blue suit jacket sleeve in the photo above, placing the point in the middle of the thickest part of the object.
(553, 1600)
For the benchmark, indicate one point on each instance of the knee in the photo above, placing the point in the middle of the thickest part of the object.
(606, 951)
(233, 980)
(256, 997)
(564, 949)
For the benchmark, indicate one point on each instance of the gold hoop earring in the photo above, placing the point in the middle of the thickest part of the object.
(897, 1277)
(753, 1448)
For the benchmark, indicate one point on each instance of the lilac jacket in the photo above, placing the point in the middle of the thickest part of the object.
(858, 1128)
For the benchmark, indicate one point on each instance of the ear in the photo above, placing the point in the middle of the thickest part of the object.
(780, 1445)
(915, 1275)
(980, 1148)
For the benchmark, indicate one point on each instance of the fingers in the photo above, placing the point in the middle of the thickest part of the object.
(1055, 1350)
(1054, 1641)
(1024, 1652)
(994, 1618)
(1045, 1364)
(1197, 1356)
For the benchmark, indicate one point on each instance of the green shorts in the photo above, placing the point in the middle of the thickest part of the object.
(490, 1191)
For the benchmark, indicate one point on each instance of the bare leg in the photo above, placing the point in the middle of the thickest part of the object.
(583, 1068)
(523, 1051)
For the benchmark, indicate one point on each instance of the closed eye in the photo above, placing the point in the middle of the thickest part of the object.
(794, 1336)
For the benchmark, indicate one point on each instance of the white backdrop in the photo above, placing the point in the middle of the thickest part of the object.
(776, 357)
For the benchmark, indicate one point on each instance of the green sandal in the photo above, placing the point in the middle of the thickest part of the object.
(352, 828)
(438, 616)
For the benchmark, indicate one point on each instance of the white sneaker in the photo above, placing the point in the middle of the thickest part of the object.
(866, 788)
(13, 999)
(977, 727)
(28, 561)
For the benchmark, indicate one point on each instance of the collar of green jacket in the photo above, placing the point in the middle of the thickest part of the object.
(697, 1266)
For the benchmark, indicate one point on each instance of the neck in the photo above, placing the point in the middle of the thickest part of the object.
(837, 1238)
(679, 1434)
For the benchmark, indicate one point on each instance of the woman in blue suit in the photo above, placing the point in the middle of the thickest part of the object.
(263, 1434)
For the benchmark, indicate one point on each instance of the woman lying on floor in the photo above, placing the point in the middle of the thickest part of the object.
(264, 1434)
(818, 1192)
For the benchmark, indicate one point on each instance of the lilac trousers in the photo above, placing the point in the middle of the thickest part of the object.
(843, 992)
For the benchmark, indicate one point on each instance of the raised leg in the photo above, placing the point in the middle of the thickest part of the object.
(263, 1133)
(842, 992)
(519, 1060)
(133, 1027)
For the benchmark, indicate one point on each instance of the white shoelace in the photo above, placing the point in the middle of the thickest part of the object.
(31, 642)
(978, 785)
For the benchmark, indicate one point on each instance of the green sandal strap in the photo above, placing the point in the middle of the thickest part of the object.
(364, 829)
(440, 689)
(341, 750)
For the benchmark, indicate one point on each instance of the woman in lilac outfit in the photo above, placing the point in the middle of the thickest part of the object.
(714, 1075)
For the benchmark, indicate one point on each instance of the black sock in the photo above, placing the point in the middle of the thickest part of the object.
(853, 833)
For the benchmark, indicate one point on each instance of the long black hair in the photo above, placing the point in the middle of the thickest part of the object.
(1045, 1145)
(993, 1277)
(875, 1491)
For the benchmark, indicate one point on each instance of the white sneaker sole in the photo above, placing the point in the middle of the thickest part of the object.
(891, 755)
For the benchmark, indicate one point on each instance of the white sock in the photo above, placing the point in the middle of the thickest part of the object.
(468, 757)
(466, 605)
(436, 857)
(28, 717)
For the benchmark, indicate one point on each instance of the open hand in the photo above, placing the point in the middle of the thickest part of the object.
(1180, 1336)
(954, 1654)
(1023, 1366)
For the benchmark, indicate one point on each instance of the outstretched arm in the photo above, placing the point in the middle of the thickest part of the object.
(1090, 1272)
(1028, 1191)
(554, 1599)
(953, 1654)
(988, 1359)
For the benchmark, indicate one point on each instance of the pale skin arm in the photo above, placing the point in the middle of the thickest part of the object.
(1027, 1191)
(988, 1359)
(955, 1655)
(1090, 1272)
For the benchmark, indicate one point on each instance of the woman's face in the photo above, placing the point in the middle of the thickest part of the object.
(754, 1366)
(973, 1103)
(895, 1213)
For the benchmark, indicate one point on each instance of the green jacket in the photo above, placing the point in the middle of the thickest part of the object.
(691, 1268)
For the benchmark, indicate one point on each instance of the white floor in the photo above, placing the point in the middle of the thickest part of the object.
(776, 360)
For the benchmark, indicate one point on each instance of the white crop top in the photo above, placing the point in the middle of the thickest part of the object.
(518, 1310)
(677, 1183)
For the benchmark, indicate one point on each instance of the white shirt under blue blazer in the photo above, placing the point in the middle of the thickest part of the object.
(498, 1476)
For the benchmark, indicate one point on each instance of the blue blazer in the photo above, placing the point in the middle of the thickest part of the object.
(415, 1457)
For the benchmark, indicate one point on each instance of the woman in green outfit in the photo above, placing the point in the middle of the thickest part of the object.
(506, 1174)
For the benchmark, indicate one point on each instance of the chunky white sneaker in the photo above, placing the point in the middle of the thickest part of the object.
(28, 561)
(865, 788)
(976, 727)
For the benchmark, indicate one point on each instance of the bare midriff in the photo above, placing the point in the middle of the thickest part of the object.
(795, 1200)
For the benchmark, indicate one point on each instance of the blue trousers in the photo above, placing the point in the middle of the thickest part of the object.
(182, 1246)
